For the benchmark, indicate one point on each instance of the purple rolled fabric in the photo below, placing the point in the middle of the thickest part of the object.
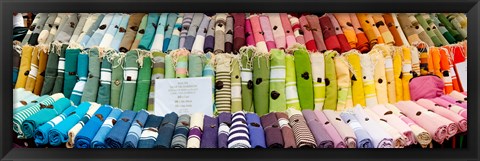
(250, 40)
(257, 135)
(450, 99)
(210, 130)
(267, 32)
(224, 120)
(273, 133)
(319, 132)
(238, 31)
(187, 20)
(210, 37)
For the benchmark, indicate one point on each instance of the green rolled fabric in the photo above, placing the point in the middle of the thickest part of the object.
(223, 83)
(261, 82)
(169, 67)
(277, 81)
(303, 73)
(442, 29)
(147, 38)
(456, 19)
(435, 29)
(180, 59)
(246, 54)
(58, 86)
(318, 74)
(158, 72)
(291, 83)
(236, 88)
(331, 87)
(143, 81)
(429, 30)
(71, 56)
(93, 79)
(103, 96)
(443, 19)
(209, 71)
(117, 60)
(130, 74)
(50, 70)
(140, 32)
(195, 65)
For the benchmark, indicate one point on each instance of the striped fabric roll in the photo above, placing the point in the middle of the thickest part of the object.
(277, 81)
(143, 81)
(255, 131)
(135, 131)
(337, 138)
(239, 134)
(460, 121)
(176, 33)
(179, 139)
(210, 37)
(398, 139)
(322, 138)
(149, 132)
(110, 31)
(180, 59)
(157, 44)
(130, 74)
(273, 131)
(383, 29)
(445, 70)
(223, 83)
(167, 128)
(421, 135)
(42, 65)
(395, 122)
(303, 135)
(260, 43)
(103, 96)
(307, 29)
(249, 38)
(195, 133)
(261, 78)
(399, 29)
(199, 42)
(386, 52)
(363, 44)
(195, 64)
(238, 31)
(89, 31)
(82, 72)
(169, 66)
(72, 133)
(58, 83)
(297, 31)
(80, 26)
(140, 32)
(85, 135)
(117, 78)
(32, 74)
(99, 140)
(342, 70)
(158, 72)
(224, 120)
(287, 132)
(318, 73)
(358, 95)
(291, 83)
(71, 59)
(100, 31)
(120, 32)
(342, 128)
(60, 133)
(277, 29)
(220, 23)
(368, 83)
(171, 19)
(363, 138)
(236, 89)
(209, 71)
(289, 36)
(378, 65)
(116, 137)
(41, 133)
(246, 76)
(148, 34)
(187, 20)
(415, 61)
(93, 80)
(380, 138)
(193, 29)
(397, 72)
(43, 116)
(267, 32)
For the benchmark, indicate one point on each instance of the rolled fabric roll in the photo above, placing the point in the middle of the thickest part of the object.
(85, 136)
(99, 140)
(406, 72)
(236, 93)
(42, 19)
(180, 59)
(187, 20)
(255, 131)
(130, 75)
(169, 67)
(140, 32)
(384, 54)
(209, 44)
(421, 31)
(273, 131)
(103, 96)
(291, 83)
(199, 42)
(344, 45)
(58, 83)
(89, 31)
(43, 34)
(452, 127)
(229, 34)
(366, 22)
(93, 80)
(387, 36)
(238, 31)
(459, 96)
(257, 34)
(32, 73)
(158, 72)
(379, 75)
(82, 19)
(72, 133)
(65, 32)
(267, 32)
(368, 82)
(25, 66)
(148, 35)
(59, 134)
(32, 27)
(392, 27)
(210, 132)
(436, 30)
(421, 135)
(287, 132)
(448, 25)
(345, 132)
(331, 89)
(60, 20)
(358, 95)
(150, 132)
(443, 30)
(307, 30)
(116, 136)
(179, 138)
(347, 28)
(287, 27)
(450, 115)
(135, 131)
(82, 72)
(22, 98)
(318, 73)
(88, 21)
(407, 27)
(171, 19)
(223, 82)
(399, 140)
(195, 64)
(444, 68)
(164, 138)
(459, 22)
(322, 138)
(303, 72)
(71, 59)
(277, 81)
(41, 133)
(111, 30)
(157, 44)
(436, 41)
(208, 71)
(451, 106)
(100, 31)
(344, 94)
(239, 135)
(397, 72)
(224, 120)
(317, 29)
(380, 138)
(363, 45)
(277, 29)
(455, 101)
(117, 60)
(364, 140)
(434, 61)
(337, 139)
(249, 38)
(395, 122)
(246, 75)
(177, 27)
(43, 116)
(193, 30)
(195, 133)
(42, 65)
(220, 23)
(261, 82)
(143, 82)
(303, 135)
(120, 32)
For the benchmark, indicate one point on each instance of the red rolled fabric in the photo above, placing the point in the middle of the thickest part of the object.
(362, 42)
(249, 33)
(452, 116)
(331, 40)
(307, 34)
(342, 39)
(238, 31)
(316, 31)
(289, 36)
(297, 31)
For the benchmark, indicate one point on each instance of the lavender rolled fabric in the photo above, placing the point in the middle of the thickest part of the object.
(210, 130)
(319, 132)
(187, 20)
(255, 129)
(273, 132)
(224, 120)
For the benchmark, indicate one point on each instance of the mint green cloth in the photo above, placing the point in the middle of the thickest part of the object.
(93, 78)
(303, 72)
(169, 67)
(195, 65)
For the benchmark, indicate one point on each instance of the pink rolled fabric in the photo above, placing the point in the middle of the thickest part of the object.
(314, 24)
(287, 27)
(452, 127)
(342, 39)
(465, 93)
(342, 128)
(337, 139)
(395, 122)
(277, 29)
(307, 34)
(454, 101)
(331, 40)
(258, 34)
(297, 31)
(452, 116)
(267, 32)
(436, 129)
(459, 96)
(249, 33)
(450, 106)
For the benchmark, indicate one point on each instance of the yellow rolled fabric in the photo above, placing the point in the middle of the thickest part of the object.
(397, 72)
(379, 77)
(42, 65)
(415, 60)
(32, 75)
(387, 51)
(24, 68)
(368, 84)
(358, 95)
(406, 72)
(383, 29)
(343, 82)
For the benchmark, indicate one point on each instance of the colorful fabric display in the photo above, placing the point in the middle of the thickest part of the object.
(116, 136)
(93, 80)
(332, 132)
(99, 140)
(43, 116)
(169, 67)
(443, 30)
(344, 94)
(363, 45)
(421, 135)
(41, 22)
(32, 27)
(193, 29)
(224, 120)
(277, 29)
(380, 138)
(452, 116)
(459, 96)
(458, 22)
(344, 46)
(307, 29)
(223, 83)
(249, 38)
(358, 95)
(71, 58)
(255, 131)
(140, 32)
(408, 28)
(103, 96)
(415, 55)
(239, 134)
(158, 72)
(164, 138)
(291, 83)
(322, 138)
(210, 37)
(25, 67)
(111, 30)
(453, 100)
(384, 72)
(346, 133)
(398, 140)
(61, 18)
(277, 81)
(363, 138)
(394, 121)
(366, 22)
(229, 35)
(150, 132)
(450, 106)
(72, 133)
(267, 32)
(420, 30)
(450, 28)
(303, 73)
(208, 71)
(297, 31)
(41, 133)
(187, 20)
(331, 89)
(347, 28)
(199, 42)
(148, 35)
(220, 23)
(257, 34)
(236, 93)
(120, 32)
(143, 82)
(160, 26)
(261, 82)
(59, 134)
(287, 27)
(303, 135)
(397, 72)
(210, 132)
(383, 29)
(238, 31)
(246, 75)
(135, 131)
(177, 27)
(273, 131)
(195, 133)
(195, 64)
(180, 59)
(406, 72)
(130, 75)
(436, 30)
(436, 40)
(179, 138)
(368, 82)
(318, 73)
(85, 136)
(58, 85)
(444, 69)
(390, 22)
(89, 31)
(287, 132)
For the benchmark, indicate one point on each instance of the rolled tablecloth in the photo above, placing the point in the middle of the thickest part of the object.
(135, 131)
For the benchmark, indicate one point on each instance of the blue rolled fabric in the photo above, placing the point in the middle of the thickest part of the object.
(255, 130)
(85, 136)
(41, 134)
(210, 132)
(99, 139)
(59, 134)
(44, 115)
(100, 31)
(174, 41)
(82, 72)
(150, 132)
(147, 39)
(122, 28)
(172, 17)
(179, 139)
(166, 129)
(30, 104)
(135, 131)
(224, 120)
(70, 78)
(116, 136)
(363, 138)
(319, 132)
(91, 30)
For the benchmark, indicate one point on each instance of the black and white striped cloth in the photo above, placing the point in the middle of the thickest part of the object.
(238, 135)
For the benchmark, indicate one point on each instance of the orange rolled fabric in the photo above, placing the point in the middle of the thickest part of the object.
(347, 28)
(444, 69)
(393, 29)
(362, 41)
(435, 55)
(387, 37)
(368, 25)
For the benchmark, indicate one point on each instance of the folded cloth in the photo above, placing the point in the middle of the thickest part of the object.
(16, 62)
(131, 30)
(41, 22)
(277, 81)
(380, 138)
(174, 40)
(303, 135)
(459, 96)
(451, 29)
(363, 45)
(111, 31)
(140, 32)
(195, 133)
(33, 26)
(158, 72)
(116, 78)
(257, 34)
(331, 86)
(82, 72)
(303, 72)
(238, 31)
(171, 19)
(277, 30)
(322, 138)
(103, 96)
(220, 23)
(363, 138)
(444, 68)
(65, 31)
(344, 94)
(297, 31)
(135, 131)
(229, 35)
(209, 44)
(195, 64)
(287, 27)
(41, 133)
(383, 29)
(199, 42)
(421, 135)
(267, 32)
(87, 133)
(249, 37)
(452, 116)
(344, 45)
(307, 31)
(180, 59)
(261, 84)
(71, 59)
(246, 76)
(179, 139)
(116, 136)
(143, 82)
(208, 71)
(368, 82)
(398, 140)
(239, 135)
(120, 33)
(99, 140)
(443, 30)
(150, 132)
(72, 133)
(58, 83)
(60, 20)
(88, 30)
(224, 120)
(32, 74)
(236, 88)
(273, 131)
(166, 130)
(130, 75)
(392, 27)
(169, 67)
(187, 20)
(287, 132)
(210, 132)
(395, 122)
(43, 116)
(255, 131)
(358, 95)
(25, 66)
(454, 101)
(459, 22)
(149, 34)
(223, 83)
(451, 106)
(406, 72)
(79, 29)
(42, 65)
(318, 74)
(99, 32)
(347, 28)
(452, 127)
(59, 134)
(386, 52)
(93, 80)
(337, 139)
(366, 22)
(193, 30)
(408, 28)
(25, 102)
(291, 83)
(346, 133)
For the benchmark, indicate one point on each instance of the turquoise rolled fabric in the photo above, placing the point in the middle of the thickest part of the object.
(143, 82)
(147, 39)
(172, 18)
(175, 39)
(130, 75)
(71, 57)
(157, 44)
(93, 80)
(303, 73)
(82, 73)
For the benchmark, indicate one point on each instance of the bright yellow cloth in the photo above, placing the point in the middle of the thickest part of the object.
(387, 52)
(343, 81)
(397, 72)
(358, 95)
(368, 83)
(42, 65)
(32, 75)
(379, 77)
(406, 72)
(24, 68)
